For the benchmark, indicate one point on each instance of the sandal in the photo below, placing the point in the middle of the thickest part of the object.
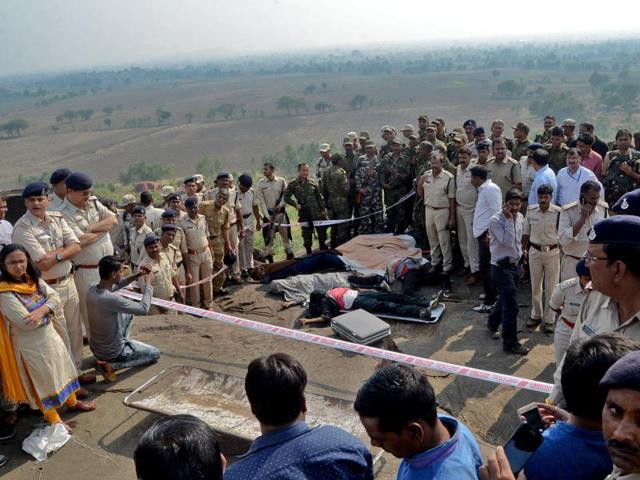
(106, 370)
(82, 406)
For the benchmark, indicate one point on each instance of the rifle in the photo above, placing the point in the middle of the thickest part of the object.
(266, 232)
(304, 211)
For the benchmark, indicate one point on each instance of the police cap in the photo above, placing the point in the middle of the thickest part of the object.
(168, 227)
(151, 239)
(59, 175)
(628, 204)
(78, 181)
(469, 123)
(483, 145)
(169, 213)
(619, 229)
(35, 189)
(173, 197)
(245, 180)
(222, 175)
(138, 210)
(625, 373)
(191, 202)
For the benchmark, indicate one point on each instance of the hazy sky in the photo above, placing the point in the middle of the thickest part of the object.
(39, 35)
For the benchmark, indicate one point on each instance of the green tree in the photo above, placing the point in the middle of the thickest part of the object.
(510, 89)
(162, 115)
(299, 103)
(211, 114)
(322, 106)
(620, 95)
(358, 101)
(189, 117)
(227, 109)
(598, 80)
(309, 90)
(561, 105)
(107, 122)
(107, 110)
(285, 103)
(142, 171)
(324, 86)
(15, 127)
(85, 114)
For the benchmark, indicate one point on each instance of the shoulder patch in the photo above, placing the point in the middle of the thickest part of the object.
(569, 205)
(55, 214)
(569, 283)
(603, 204)
(533, 207)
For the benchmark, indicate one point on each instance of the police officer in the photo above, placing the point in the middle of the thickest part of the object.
(174, 202)
(621, 168)
(576, 218)
(137, 233)
(565, 301)
(628, 204)
(167, 236)
(396, 178)
(369, 191)
(200, 261)
(521, 140)
(612, 303)
(120, 233)
(466, 198)
(164, 280)
(438, 190)
(303, 193)
(91, 222)
(324, 160)
(423, 123)
(51, 245)
(218, 219)
(388, 134)
(179, 241)
(557, 150)
(249, 209)
(58, 188)
(336, 189)
(540, 245)
(271, 190)
(545, 136)
(191, 189)
(503, 170)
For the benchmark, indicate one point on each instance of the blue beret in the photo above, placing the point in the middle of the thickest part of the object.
(478, 131)
(138, 210)
(245, 180)
(78, 181)
(469, 123)
(168, 227)
(35, 189)
(172, 197)
(222, 175)
(151, 239)
(59, 175)
(581, 268)
(169, 213)
(625, 373)
(191, 201)
(619, 229)
(483, 145)
(628, 204)
(534, 146)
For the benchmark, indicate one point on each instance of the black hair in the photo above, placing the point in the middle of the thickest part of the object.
(179, 447)
(479, 171)
(270, 165)
(557, 132)
(625, 253)
(396, 395)
(146, 198)
(336, 158)
(275, 388)
(585, 363)
(32, 270)
(588, 186)
(300, 165)
(588, 126)
(315, 303)
(545, 189)
(586, 138)
(541, 157)
(107, 265)
(513, 194)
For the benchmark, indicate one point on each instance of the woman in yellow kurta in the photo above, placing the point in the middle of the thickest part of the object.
(35, 365)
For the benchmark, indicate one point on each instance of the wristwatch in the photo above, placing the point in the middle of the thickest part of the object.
(58, 257)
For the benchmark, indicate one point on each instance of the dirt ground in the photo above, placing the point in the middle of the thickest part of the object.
(104, 440)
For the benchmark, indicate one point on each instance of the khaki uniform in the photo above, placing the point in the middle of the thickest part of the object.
(163, 273)
(437, 193)
(466, 197)
(573, 248)
(55, 202)
(566, 300)
(86, 262)
(527, 173)
(506, 173)
(200, 261)
(40, 237)
(598, 314)
(544, 257)
(136, 244)
(120, 233)
(217, 221)
(247, 200)
(271, 194)
(179, 251)
(618, 474)
(233, 205)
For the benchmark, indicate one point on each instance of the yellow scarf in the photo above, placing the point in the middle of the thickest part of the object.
(11, 384)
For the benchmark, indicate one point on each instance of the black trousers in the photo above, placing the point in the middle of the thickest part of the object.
(485, 270)
(390, 303)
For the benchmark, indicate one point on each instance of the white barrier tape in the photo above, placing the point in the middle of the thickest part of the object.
(326, 223)
(204, 280)
(337, 344)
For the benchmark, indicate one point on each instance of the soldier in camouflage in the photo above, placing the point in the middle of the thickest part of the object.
(441, 132)
(420, 165)
(388, 134)
(545, 136)
(369, 191)
(303, 194)
(521, 135)
(336, 191)
(396, 180)
(621, 168)
(557, 150)
(363, 138)
(423, 123)
(497, 131)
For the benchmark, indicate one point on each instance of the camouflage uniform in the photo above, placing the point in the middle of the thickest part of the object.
(557, 157)
(385, 149)
(420, 166)
(615, 182)
(396, 173)
(307, 195)
(336, 189)
(422, 134)
(543, 137)
(520, 148)
(368, 177)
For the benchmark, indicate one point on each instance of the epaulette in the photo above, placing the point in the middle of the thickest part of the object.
(568, 283)
(603, 204)
(533, 207)
(55, 214)
(569, 205)
(555, 207)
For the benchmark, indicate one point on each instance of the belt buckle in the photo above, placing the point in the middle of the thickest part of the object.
(545, 248)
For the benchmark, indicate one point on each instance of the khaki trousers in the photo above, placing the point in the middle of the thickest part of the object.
(201, 267)
(280, 218)
(218, 257)
(245, 251)
(561, 338)
(233, 240)
(436, 223)
(468, 243)
(567, 267)
(544, 268)
(69, 322)
(85, 278)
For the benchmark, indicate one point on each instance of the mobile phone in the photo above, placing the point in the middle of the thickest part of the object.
(521, 446)
(531, 415)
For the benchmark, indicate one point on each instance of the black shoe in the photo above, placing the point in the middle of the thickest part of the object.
(323, 247)
(269, 258)
(308, 249)
(3, 460)
(289, 256)
(7, 431)
(517, 349)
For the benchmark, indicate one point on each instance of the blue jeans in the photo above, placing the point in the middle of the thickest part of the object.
(505, 311)
(134, 353)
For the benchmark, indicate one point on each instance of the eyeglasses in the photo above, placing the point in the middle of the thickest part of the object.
(589, 259)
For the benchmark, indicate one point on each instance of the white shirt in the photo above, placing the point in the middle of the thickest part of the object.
(6, 229)
(489, 203)
(153, 217)
(569, 184)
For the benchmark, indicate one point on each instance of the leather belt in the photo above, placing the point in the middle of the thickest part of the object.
(572, 256)
(54, 281)
(543, 248)
(568, 323)
(247, 215)
(197, 252)
(437, 208)
(85, 266)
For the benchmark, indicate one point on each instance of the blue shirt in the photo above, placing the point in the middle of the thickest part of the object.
(544, 176)
(458, 458)
(506, 237)
(299, 452)
(570, 453)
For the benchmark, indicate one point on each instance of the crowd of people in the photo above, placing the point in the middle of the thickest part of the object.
(561, 212)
